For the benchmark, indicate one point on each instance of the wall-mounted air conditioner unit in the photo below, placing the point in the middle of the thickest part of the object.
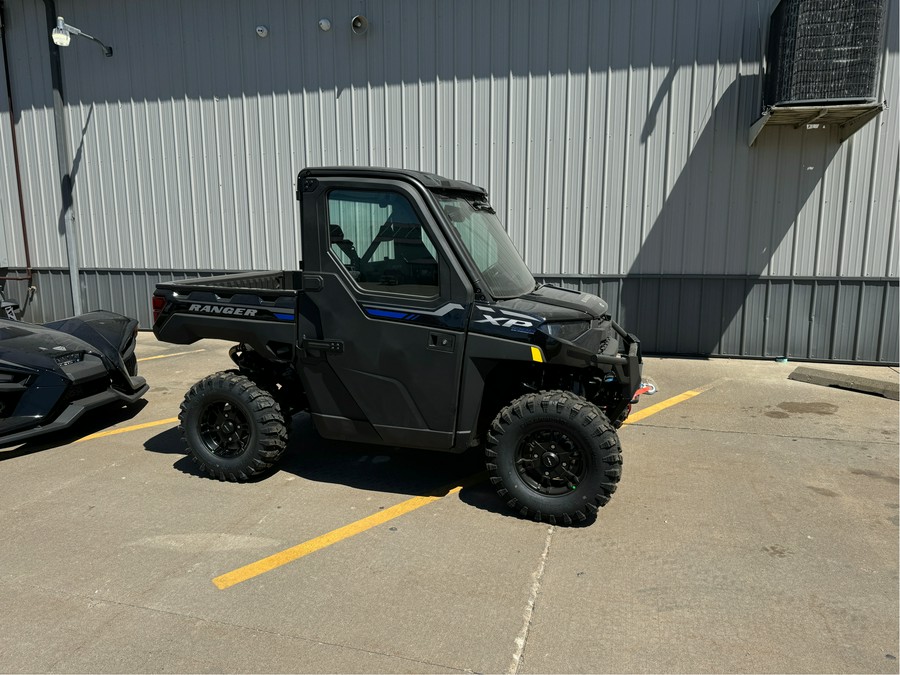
(823, 64)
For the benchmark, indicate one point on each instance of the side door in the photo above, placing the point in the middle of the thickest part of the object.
(390, 312)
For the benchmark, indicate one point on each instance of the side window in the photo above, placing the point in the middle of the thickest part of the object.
(378, 237)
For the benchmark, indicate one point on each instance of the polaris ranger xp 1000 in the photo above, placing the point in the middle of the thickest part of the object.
(412, 321)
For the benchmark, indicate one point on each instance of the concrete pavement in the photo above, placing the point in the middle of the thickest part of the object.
(755, 530)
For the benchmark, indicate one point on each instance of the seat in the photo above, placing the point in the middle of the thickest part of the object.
(344, 245)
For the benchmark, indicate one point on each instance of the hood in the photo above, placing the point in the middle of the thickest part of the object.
(31, 345)
(552, 303)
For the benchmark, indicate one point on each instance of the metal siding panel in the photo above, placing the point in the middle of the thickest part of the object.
(655, 137)
(613, 291)
(594, 217)
(412, 122)
(777, 304)
(11, 250)
(552, 216)
(639, 300)
(617, 140)
(871, 309)
(497, 139)
(537, 129)
(463, 119)
(703, 123)
(799, 318)
(710, 324)
(746, 88)
(754, 319)
(692, 311)
(29, 64)
(52, 300)
(823, 306)
(725, 153)
(816, 149)
(635, 157)
(672, 225)
(888, 208)
(732, 336)
(880, 252)
(786, 200)
(846, 314)
(517, 150)
(763, 186)
(667, 317)
(889, 348)
(828, 240)
(574, 140)
(854, 217)
(892, 255)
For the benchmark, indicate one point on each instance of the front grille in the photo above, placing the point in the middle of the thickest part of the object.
(69, 359)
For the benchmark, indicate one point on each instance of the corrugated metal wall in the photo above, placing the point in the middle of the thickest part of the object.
(611, 135)
(11, 253)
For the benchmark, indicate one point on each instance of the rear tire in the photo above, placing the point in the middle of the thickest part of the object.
(233, 428)
(553, 456)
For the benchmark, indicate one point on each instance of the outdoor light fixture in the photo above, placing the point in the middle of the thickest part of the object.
(62, 36)
(359, 24)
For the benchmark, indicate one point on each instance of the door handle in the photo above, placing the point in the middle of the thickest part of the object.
(441, 342)
(333, 346)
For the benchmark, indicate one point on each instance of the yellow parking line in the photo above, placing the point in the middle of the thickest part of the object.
(289, 555)
(123, 430)
(662, 405)
(166, 356)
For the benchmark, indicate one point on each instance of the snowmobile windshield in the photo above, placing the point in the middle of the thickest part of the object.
(503, 272)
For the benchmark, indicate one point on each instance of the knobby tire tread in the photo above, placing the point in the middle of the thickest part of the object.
(606, 451)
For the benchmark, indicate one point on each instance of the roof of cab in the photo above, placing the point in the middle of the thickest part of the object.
(429, 180)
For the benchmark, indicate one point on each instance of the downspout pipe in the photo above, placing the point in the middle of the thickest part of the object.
(15, 151)
(63, 160)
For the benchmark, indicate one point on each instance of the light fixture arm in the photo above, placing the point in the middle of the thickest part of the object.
(64, 30)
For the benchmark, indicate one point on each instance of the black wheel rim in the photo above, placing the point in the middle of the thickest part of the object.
(550, 462)
(224, 429)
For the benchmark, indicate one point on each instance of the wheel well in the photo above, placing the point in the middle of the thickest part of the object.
(505, 382)
(277, 377)
(511, 379)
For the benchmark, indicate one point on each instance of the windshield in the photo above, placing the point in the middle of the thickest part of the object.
(503, 272)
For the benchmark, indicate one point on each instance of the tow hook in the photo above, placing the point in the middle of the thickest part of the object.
(647, 388)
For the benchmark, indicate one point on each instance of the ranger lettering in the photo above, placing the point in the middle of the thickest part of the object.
(222, 309)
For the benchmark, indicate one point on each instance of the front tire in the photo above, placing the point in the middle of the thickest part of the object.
(233, 428)
(553, 456)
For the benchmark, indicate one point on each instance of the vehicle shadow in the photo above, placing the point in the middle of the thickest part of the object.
(358, 465)
(93, 422)
(375, 468)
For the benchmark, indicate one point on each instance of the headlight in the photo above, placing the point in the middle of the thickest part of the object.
(565, 330)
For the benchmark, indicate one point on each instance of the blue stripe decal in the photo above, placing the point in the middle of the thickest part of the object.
(385, 313)
(284, 317)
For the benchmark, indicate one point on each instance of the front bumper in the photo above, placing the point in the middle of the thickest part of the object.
(627, 365)
(75, 409)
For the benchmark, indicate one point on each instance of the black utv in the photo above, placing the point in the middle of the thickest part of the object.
(412, 321)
